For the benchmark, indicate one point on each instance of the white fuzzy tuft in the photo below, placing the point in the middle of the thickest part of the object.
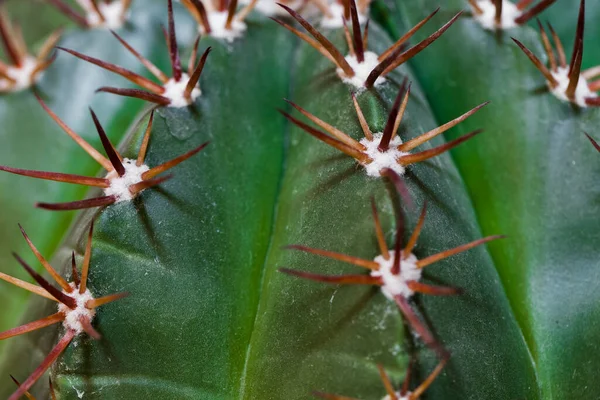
(487, 18)
(73, 317)
(336, 20)
(407, 397)
(22, 76)
(270, 7)
(381, 160)
(394, 285)
(174, 91)
(361, 70)
(217, 20)
(113, 13)
(581, 93)
(119, 185)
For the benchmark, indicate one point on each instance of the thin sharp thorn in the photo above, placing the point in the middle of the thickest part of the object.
(591, 73)
(389, 388)
(9, 40)
(203, 16)
(103, 161)
(388, 131)
(241, 16)
(154, 70)
(48, 361)
(562, 58)
(398, 44)
(32, 326)
(418, 392)
(352, 152)
(416, 233)
(27, 394)
(574, 76)
(315, 44)
(173, 50)
(427, 154)
(172, 163)
(95, 303)
(432, 290)
(476, 9)
(194, 54)
(547, 46)
(448, 253)
(27, 286)
(70, 13)
(419, 140)
(366, 35)
(52, 392)
(196, 75)
(358, 42)
(401, 111)
(333, 131)
(145, 141)
(578, 44)
(418, 326)
(593, 101)
(74, 273)
(147, 184)
(230, 13)
(498, 16)
(78, 205)
(523, 4)
(89, 329)
(593, 142)
(361, 118)
(533, 11)
(86, 260)
(49, 45)
(138, 94)
(379, 231)
(407, 376)
(538, 64)
(396, 58)
(96, 10)
(58, 177)
(125, 73)
(113, 156)
(399, 185)
(372, 265)
(55, 275)
(335, 53)
(57, 294)
(333, 279)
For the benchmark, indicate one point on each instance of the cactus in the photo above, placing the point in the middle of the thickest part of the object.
(350, 246)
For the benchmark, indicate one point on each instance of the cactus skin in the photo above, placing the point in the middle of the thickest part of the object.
(534, 182)
(210, 317)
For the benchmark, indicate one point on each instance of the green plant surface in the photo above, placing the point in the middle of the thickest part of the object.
(210, 317)
(31, 140)
(532, 177)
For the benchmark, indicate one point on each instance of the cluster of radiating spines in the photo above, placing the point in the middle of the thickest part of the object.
(397, 272)
(22, 69)
(381, 150)
(180, 90)
(220, 18)
(567, 82)
(335, 13)
(392, 394)
(76, 306)
(29, 395)
(111, 14)
(504, 14)
(362, 68)
(125, 178)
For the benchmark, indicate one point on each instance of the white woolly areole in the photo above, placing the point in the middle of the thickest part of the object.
(270, 7)
(114, 14)
(394, 285)
(383, 159)
(336, 20)
(487, 18)
(23, 76)
(217, 21)
(581, 92)
(174, 91)
(73, 317)
(407, 397)
(361, 70)
(119, 185)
